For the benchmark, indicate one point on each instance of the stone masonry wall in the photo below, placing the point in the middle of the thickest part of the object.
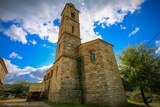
(67, 46)
(55, 82)
(69, 91)
(63, 86)
(101, 80)
(114, 82)
(67, 27)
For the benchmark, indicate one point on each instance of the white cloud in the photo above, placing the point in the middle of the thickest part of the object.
(33, 14)
(123, 27)
(87, 27)
(158, 45)
(15, 55)
(16, 34)
(106, 13)
(134, 31)
(33, 42)
(158, 51)
(44, 45)
(144, 41)
(16, 73)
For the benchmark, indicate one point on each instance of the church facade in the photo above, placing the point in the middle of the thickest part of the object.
(82, 72)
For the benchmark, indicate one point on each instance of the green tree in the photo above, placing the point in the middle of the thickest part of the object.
(17, 88)
(20, 86)
(140, 68)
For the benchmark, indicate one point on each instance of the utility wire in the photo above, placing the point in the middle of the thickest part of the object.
(152, 39)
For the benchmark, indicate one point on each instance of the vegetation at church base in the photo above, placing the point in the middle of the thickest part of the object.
(79, 72)
(140, 70)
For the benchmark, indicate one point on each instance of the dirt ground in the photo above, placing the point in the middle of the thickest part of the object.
(155, 104)
(22, 103)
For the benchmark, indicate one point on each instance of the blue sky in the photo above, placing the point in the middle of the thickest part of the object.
(28, 34)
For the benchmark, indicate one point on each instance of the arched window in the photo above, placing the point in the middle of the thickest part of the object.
(92, 56)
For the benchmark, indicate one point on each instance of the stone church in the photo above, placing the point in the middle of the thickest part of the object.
(82, 72)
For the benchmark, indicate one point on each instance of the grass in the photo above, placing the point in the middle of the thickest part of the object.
(66, 105)
(136, 103)
(129, 104)
(153, 104)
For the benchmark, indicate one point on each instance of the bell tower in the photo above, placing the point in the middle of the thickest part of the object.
(70, 21)
(69, 33)
(65, 66)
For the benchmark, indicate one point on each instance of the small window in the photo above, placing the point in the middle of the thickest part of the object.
(73, 15)
(62, 78)
(72, 29)
(56, 70)
(51, 73)
(92, 56)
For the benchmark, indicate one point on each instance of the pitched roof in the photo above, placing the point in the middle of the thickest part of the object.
(93, 41)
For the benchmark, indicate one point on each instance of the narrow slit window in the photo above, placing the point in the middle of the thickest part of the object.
(51, 73)
(92, 56)
(56, 70)
(48, 75)
(72, 29)
(62, 78)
